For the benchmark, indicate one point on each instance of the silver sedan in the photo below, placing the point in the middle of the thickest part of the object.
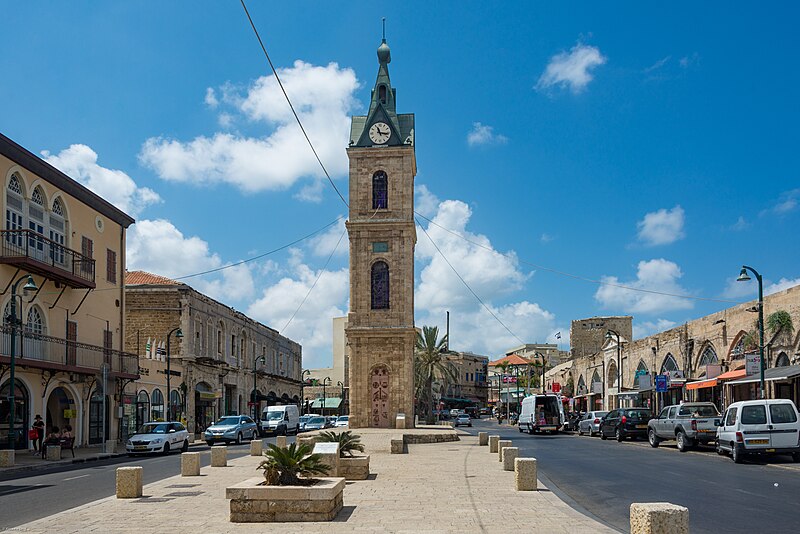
(590, 423)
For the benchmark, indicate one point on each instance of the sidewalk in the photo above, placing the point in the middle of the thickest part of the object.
(444, 487)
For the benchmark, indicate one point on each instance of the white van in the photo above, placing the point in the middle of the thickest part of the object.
(760, 427)
(283, 420)
(541, 413)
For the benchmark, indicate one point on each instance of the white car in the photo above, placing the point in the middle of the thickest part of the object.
(342, 420)
(590, 423)
(463, 420)
(161, 437)
(760, 427)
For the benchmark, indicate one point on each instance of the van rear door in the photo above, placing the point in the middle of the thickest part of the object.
(783, 425)
(753, 422)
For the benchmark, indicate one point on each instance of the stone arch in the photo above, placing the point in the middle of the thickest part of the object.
(581, 390)
(707, 355)
(782, 360)
(737, 350)
(596, 378)
(142, 407)
(59, 398)
(640, 367)
(611, 373)
(23, 403)
(669, 363)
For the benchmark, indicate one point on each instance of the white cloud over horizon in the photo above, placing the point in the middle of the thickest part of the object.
(647, 328)
(662, 227)
(571, 69)
(653, 275)
(483, 134)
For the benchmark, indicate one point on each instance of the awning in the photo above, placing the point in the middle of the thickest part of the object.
(733, 375)
(775, 373)
(330, 402)
(702, 384)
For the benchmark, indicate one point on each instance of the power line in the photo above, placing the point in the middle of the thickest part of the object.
(574, 276)
(467, 285)
(297, 118)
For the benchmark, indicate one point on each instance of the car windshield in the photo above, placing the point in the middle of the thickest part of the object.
(316, 421)
(274, 416)
(699, 411)
(463, 416)
(344, 418)
(153, 428)
(225, 421)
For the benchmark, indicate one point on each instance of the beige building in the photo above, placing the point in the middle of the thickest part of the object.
(336, 377)
(472, 384)
(380, 330)
(213, 367)
(69, 366)
(587, 336)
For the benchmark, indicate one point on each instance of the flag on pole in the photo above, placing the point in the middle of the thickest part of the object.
(558, 335)
(147, 349)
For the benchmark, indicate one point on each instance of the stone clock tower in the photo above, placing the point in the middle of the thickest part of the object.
(380, 329)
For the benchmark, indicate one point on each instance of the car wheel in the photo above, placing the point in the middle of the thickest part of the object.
(520, 429)
(296, 430)
(618, 434)
(580, 432)
(796, 457)
(719, 449)
(285, 432)
(254, 436)
(185, 446)
(651, 437)
(210, 443)
(166, 449)
(239, 438)
(602, 435)
(683, 444)
(737, 455)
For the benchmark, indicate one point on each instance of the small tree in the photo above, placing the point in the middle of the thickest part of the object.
(285, 466)
(780, 321)
(430, 365)
(348, 442)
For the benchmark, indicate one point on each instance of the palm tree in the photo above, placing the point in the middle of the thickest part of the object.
(430, 365)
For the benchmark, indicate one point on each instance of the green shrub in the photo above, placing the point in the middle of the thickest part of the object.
(284, 467)
(348, 442)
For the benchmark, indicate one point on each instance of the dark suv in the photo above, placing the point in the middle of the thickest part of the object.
(625, 423)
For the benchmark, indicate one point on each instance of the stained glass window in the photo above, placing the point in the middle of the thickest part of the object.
(13, 185)
(669, 364)
(58, 209)
(380, 286)
(380, 191)
(708, 357)
(738, 350)
(37, 197)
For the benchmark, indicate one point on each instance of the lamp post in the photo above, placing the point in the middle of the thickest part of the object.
(178, 335)
(29, 286)
(256, 361)
(303, 376)
(341, 399)
(743, 277)
(541, 357)
(609, 333)
(325, 383)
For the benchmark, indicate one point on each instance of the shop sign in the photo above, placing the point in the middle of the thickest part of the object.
(556, 387)
(70, 414)
(645, 382)
(752, 363)
(662, 383)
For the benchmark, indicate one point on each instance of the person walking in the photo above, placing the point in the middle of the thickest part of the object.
(38, 426)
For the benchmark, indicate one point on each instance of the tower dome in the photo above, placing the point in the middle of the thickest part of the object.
(384, 55)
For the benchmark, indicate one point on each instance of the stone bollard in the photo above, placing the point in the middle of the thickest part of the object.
(659, 518)
(111, 446)
(509, 455)
(219, 456)
(129, 482)
(502, 444)
(525, 474)
(493, 443)
(190, 464)
(330, 456)
(400, 421)
(256, 447)
(280, 441)
(397, 445)
(7, 458)
(483, 438)
(53, 453)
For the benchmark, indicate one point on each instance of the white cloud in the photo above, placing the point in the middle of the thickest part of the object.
(546, 238)
(312, 326)
(787, 202)
(325, 243)
(662, 227)
(648, 328)
(654, 275)
(571, 69)
(425, 202)
(780, 285)
(739, 290)
(690, 60)
(482, 134)
(324, 98)
(225, 120)
(80, 163)
(740, 224)
(657, 65)
(211, 98)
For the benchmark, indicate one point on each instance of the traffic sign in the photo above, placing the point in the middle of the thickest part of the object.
(661, 383)
(556, 387)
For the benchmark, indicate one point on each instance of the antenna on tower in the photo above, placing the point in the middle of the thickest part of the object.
(383, 21)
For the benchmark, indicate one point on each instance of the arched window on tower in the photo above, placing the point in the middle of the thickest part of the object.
(380, 286)
(380, 191)
(382, 94)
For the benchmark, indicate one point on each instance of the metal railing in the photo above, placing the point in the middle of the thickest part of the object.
(34, 246)
(32, 347)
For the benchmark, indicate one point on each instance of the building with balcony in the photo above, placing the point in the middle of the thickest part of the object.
(214, 365)
(471, 387)
(64, 337)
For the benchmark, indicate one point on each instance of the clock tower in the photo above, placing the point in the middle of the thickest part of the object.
(380, 329)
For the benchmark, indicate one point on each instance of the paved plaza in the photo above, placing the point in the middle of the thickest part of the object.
(443, 487)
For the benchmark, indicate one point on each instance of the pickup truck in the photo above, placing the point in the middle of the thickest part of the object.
(688, 424)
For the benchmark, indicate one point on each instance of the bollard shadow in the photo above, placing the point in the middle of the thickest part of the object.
(372, 476)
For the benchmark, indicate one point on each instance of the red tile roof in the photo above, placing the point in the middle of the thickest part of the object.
(511, 359)
(143, 278)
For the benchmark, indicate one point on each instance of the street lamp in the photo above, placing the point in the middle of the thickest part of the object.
(178, 335)
(29, 286)
(743, 277)
(303, 376)
(544, 368)
(341, 400)
(609, 333)
(325, 382)
(256, 361)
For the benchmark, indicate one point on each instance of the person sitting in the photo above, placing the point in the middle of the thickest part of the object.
(53, 438)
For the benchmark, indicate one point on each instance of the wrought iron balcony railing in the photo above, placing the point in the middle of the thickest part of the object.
(39, 350)
(34, 252)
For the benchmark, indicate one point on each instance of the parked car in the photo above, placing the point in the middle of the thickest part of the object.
(231, 429)
(342, 420)
(158, 437)
(463, 420)
(688, 424)
(486, 411)
(316, 423)
(283, 420)
(590, 423)
(625, 423)
(760, 427)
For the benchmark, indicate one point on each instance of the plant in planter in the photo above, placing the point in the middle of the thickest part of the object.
(351, 467)
(285, 466)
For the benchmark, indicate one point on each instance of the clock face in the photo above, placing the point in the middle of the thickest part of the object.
(380, 133)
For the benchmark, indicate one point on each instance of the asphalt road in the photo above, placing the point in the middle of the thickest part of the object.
(27, 498)
(605, 477)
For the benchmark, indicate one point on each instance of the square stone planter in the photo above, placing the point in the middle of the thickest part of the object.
(355, 468)
(251, 503)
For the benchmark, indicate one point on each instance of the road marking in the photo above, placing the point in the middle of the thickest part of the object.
(73, 478)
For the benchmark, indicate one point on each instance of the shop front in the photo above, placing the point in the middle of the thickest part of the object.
(205, 400)
(21, 414)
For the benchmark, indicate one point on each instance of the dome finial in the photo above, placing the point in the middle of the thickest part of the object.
(384, 55)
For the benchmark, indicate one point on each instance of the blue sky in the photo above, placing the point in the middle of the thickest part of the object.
(649, 146)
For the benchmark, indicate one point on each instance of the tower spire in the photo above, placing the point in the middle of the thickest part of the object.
(383, 20)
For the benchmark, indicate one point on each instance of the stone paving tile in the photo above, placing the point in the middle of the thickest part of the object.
(449, 487)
